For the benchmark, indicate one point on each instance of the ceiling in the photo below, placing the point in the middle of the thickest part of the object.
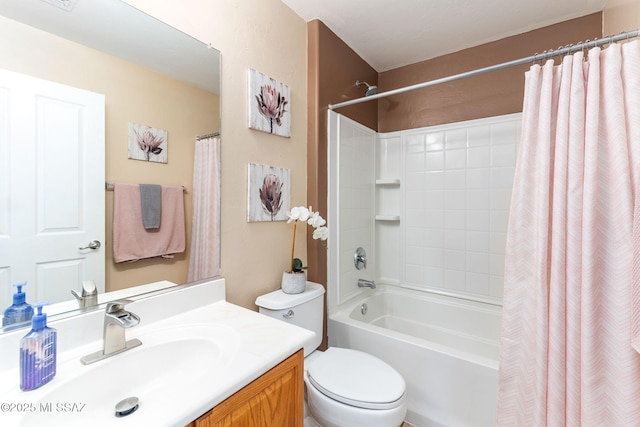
(389, 34)
(118, 29)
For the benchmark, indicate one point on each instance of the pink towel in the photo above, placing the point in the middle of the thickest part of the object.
(131, 241)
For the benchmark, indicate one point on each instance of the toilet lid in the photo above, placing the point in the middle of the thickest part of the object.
(356, 378)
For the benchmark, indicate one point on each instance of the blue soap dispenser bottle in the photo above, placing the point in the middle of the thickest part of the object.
(38, 353)
(19, 311)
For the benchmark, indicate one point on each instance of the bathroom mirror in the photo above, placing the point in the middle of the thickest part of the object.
(134, 39)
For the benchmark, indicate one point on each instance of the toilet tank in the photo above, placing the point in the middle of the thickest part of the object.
(304, 309)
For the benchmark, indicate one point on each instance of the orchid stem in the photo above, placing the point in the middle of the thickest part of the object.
(293, 245)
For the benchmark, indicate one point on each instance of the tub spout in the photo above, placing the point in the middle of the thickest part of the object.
(363, 283)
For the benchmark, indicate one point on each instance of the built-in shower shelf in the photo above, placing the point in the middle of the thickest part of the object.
(387, 217)
(388, 181)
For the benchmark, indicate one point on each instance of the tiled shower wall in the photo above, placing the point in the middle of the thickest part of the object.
(453, 200)
(351, 200)
(430, 206)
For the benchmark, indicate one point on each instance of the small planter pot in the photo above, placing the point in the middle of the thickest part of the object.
(293, 283)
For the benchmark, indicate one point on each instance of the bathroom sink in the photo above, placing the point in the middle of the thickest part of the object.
(197, 350)
(169, 362)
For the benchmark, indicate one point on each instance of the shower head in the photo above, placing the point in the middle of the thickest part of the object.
(371, 90)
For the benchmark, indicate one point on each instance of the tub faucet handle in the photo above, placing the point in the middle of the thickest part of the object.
(360, 259)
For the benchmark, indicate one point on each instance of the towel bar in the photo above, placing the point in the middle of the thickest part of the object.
(109, 187)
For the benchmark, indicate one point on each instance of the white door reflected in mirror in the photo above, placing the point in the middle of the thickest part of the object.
(51, 144)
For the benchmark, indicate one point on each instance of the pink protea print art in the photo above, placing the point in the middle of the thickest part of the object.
(149, 142)
(271, 195)
(271, 105)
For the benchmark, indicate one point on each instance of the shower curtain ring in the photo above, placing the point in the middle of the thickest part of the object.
(585, 48)
(544, 55)
(558, 53)
(567, 50)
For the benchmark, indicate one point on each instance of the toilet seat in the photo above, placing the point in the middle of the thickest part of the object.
(357, 379)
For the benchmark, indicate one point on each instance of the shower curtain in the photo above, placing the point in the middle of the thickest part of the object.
(204, 258)
(568, 317)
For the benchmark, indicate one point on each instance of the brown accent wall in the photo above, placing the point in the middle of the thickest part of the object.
(333, 69)
(486, 95)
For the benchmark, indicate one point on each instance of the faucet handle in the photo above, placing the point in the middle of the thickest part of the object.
(115, 306)
(89, 295)
(360, 259)
(89, 288)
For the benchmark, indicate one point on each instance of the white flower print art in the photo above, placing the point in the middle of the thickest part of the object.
(269, 105)
(269, 193)
(147, 143)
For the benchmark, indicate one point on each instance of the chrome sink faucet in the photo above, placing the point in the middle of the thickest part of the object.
(116, 320)
(363, 283)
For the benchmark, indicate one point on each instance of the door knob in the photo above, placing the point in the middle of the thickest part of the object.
(94, 244)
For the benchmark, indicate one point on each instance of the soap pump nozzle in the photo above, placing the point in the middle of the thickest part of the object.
(39, 320)
(19, 297)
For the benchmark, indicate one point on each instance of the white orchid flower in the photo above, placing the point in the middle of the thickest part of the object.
(298, 213)
(321, 233)
(315, 220)
(301, 213)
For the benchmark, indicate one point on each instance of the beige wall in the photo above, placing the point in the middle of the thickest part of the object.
(621, 15)
(267, 36)
(132, 94)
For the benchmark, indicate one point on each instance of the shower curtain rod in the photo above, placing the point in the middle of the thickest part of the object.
(209, 135)
(537, 57)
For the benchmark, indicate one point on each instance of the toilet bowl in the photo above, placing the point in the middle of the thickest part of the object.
(349, 388)
(344, 387)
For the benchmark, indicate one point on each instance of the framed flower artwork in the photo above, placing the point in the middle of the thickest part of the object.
(269, 105)
(147, 143)
(269, 193)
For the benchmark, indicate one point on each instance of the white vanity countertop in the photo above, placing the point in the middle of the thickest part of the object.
(252, 345)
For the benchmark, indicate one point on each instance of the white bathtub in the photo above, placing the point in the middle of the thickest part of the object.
(446, 349)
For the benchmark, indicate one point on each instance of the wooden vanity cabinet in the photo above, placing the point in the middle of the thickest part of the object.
(276, 399)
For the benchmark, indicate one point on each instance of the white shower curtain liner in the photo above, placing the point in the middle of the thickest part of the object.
(204, 258)
(568, 319)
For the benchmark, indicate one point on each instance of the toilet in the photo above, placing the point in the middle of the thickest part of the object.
(344, 387)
